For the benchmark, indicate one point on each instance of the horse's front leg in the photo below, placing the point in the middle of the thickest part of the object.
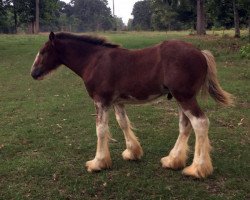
(102, 158)
(133, 150)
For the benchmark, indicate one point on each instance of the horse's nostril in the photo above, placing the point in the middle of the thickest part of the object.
(36, 73)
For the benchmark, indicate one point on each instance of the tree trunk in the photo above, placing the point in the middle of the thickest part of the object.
(236, 19)
(37, 16)
(200, 27)
(115, 25)
(15, 16)
(33, 27)
(249, 28)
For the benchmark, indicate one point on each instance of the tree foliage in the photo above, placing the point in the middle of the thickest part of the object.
(142, 15)
(164, 14)
(220, 12)
(182, 14)
(78, 15)
(91, 15)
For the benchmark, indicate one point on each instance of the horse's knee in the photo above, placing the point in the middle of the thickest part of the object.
(122, 122)
(121, 118)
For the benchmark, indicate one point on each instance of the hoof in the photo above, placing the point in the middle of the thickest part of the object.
(173, 163)
(198, 171)
(132, 155)
(96, 165)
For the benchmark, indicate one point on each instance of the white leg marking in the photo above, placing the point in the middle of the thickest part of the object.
(178, 155)
(133, 150)
(102, 158)
(202, 165)
(102, 135)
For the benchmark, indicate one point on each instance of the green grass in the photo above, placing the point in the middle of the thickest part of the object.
(47, 132)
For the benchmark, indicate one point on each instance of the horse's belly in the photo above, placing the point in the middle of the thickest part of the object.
(135, 100)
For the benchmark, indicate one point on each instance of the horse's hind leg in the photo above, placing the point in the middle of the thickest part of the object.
(178, 155)
(133, 150)
(202, 165)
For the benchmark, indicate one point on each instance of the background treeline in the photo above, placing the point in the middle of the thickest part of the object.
(95, 15)
(77, 16)
(182, 14)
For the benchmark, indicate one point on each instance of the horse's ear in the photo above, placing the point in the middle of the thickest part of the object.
(52, 36)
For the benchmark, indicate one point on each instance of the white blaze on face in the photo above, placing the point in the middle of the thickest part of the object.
(35, 61)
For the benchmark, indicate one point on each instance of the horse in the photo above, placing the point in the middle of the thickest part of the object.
(115, 76)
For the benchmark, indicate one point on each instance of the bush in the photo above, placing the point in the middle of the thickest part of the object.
(245, 51)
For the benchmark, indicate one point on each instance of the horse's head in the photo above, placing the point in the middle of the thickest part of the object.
(47, 59)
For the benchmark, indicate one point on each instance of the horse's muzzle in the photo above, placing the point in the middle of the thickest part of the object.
(36, 73)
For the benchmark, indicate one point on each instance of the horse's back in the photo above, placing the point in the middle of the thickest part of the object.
(181, 52)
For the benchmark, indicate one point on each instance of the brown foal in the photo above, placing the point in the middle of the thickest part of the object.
(114, 76)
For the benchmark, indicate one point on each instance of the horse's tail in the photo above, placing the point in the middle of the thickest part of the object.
(212, 85)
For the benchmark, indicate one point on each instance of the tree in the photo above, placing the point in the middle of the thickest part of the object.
(219, 13)
(6, 17)
(172, 14)
(162, 15)
(49, 15)
(37, 16)
(227, 13)
(142, 15)
(236, 19)
(67, 21)
(26, 13)
(119, 25)
(15, 15)
(129, 25)
(2, 16)
(93, 14)
(186, 13)
(200, 27)
(23, 13)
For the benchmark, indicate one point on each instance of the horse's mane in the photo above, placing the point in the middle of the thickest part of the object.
(86, 38)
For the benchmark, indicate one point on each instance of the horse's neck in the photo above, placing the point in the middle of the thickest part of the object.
(78, 56)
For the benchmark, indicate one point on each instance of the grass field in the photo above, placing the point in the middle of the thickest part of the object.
(47, 131)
